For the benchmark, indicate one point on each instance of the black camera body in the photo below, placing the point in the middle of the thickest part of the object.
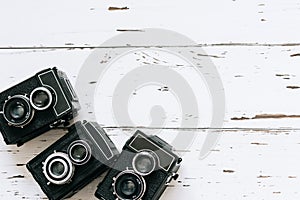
(73, 161)
(35, 105)
(143, 170)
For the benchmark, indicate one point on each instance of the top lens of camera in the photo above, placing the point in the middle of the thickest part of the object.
(17, 110)
(79, 152)
(41, 98)
(129, 186)
(144, 163)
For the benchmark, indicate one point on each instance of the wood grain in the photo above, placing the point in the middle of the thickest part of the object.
(244, 165)
(256, 81)
(53, 23)
(255, 46)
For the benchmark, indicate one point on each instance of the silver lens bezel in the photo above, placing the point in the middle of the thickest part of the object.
(47, 91)
(29, 114)
(140, 178)
(151, 155)
(87, 148)
(64, 164)
(68, 168)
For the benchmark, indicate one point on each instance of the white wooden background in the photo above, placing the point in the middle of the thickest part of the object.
(255, 46)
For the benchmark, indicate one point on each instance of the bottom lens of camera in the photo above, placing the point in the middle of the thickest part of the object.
(58, 168)
(17, 110)
(129, 185)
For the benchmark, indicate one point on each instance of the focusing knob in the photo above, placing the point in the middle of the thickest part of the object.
(173, 176)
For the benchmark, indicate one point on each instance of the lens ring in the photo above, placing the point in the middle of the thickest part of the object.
(77, 147)
(17, 110)
(67, 172)
(129, 176)
(144, 163)
(42, 96)
(53, 163)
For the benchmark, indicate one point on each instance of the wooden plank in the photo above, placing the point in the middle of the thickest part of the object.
(55, 23)
(260, 83)
(244, 165)
(254, 45)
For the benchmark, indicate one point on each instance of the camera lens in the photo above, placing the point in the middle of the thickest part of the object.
(79, 152)
(129, 185)
(17, 110)
(40, 98)
(144, 163)
(58, 168)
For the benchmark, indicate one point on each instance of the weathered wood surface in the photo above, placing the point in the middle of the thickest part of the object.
(245, 164)
(255, 46)
(55, 23)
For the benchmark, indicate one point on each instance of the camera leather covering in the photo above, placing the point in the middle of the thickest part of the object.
(42, 120)
(83, 174)
(156, 182)
(13, 134)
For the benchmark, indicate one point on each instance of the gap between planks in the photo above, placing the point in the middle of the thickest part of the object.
(203, 128)
(71, 46)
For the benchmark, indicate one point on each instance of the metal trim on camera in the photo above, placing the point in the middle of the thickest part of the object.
(17, 111)
(143, 170)
(41, 98)
(79, 152)
(144, 162)
(62, 162)
(62, 105)
(140, 142)
(36, 105)
(128, 185)
(58, 168)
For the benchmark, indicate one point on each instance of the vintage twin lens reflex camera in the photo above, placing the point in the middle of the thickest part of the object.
(73, 161)
(35, 105)
(143, 170)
